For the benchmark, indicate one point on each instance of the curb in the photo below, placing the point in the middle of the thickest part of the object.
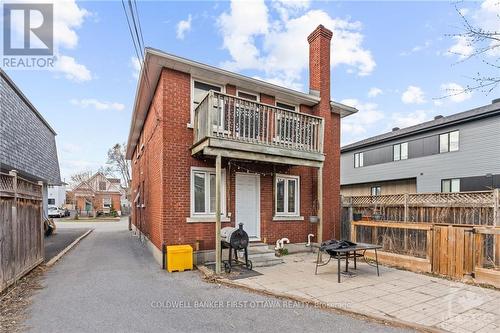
(52, 261)
(210, 277)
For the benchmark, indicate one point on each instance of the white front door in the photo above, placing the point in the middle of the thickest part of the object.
(248, 203)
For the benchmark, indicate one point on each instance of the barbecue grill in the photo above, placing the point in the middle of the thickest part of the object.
(235, 239)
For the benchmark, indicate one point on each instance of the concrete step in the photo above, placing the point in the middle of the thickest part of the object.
(262, 255)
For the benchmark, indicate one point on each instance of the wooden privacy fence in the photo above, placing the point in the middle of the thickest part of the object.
(450, 250)
(471, 208)
(21, 227)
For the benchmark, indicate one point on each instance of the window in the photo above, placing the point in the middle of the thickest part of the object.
(376, 190)
(203, 192)
(248, 95)
(358, 160)
(287, 195)
(51, 201)
(448, 142)
(400, 151)
(285, 106)
(106, 202)
(450, 185)
(102, 186)
(200, 90)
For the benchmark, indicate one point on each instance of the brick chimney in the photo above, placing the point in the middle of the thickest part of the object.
(319, 83)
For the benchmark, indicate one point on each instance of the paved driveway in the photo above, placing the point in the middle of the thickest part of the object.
(110, 283)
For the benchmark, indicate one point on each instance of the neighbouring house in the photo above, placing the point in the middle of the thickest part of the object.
(28, 143)
(274, 151)
(28, 166)
(98, 194)
(56, 195)
(457, 153)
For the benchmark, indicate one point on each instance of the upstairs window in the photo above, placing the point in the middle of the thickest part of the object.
(450, 185)
(287, 195)
(358, 160)
(400, 151)
(376, 191)
(102, 186)
(51, 201)
(285, 106)
(448, 142)
(248, 95)
(200, 90)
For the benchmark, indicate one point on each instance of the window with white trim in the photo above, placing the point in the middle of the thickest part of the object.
(248, 95)
(106, 202)
(400, 151)
(358, 160)
(376, 190)
(448, 142)
(287, 195)
(286, 106)
(450, 185)
(203, 192)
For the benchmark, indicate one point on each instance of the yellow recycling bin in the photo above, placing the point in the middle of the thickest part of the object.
(179, 258)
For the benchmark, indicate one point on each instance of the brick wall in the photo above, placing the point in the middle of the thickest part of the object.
(319, 80)
(163, 170)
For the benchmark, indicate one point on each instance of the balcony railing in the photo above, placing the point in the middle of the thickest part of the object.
(228, 117)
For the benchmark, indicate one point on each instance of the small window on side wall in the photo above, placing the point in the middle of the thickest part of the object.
(376, 190)
(450, 185)
(449, 142)
(358, 160)
(400, 151)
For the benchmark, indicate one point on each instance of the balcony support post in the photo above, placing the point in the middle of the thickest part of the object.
(218, 177)
(320, 209)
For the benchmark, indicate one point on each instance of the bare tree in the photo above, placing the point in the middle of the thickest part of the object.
(116, 159)
(485, 44)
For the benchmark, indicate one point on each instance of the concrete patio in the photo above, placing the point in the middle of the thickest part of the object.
(395, 295)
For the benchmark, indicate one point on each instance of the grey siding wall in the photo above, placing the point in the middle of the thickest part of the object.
(27, 144)
(478, 155)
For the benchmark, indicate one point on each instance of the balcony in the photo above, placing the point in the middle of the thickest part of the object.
(238, 128)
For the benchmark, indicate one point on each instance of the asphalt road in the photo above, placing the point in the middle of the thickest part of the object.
(58, 241)
(110, 283)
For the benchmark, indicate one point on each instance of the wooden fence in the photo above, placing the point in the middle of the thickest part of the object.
(21, 227)
(450, 234)
(471, 208)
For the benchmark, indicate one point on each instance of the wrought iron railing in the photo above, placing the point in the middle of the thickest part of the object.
(228, 117)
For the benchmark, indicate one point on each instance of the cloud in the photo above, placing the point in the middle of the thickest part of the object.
(183, 27)
(403, 120)
(455, 92)
(413, 95)
(136, 67)
(71, 69)
(356, 126)
(374, 92)
(462, 48)
(417, 48)
(98, 105)
(278, 47)
(484, 19)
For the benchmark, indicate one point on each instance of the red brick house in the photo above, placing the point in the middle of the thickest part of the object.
(274, 151)
(98, 194)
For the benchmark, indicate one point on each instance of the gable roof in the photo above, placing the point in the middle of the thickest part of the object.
(457, 118)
